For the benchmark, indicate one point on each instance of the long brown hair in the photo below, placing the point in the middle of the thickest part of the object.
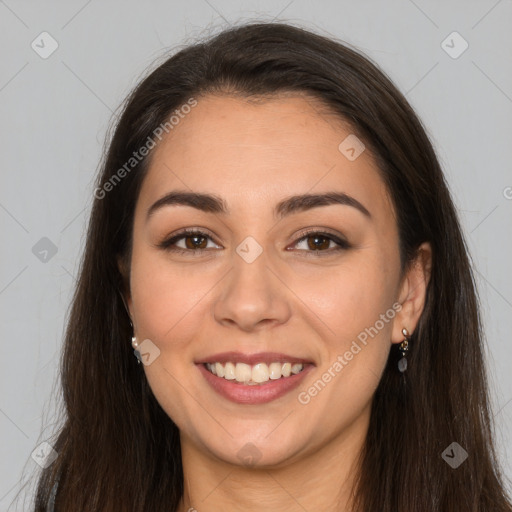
(118, 450)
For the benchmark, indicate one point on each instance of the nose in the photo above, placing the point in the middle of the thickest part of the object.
(252, 296)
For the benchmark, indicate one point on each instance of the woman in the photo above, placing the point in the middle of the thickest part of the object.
(275, 309)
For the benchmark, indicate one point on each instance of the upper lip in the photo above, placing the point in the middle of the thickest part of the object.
(252, 359)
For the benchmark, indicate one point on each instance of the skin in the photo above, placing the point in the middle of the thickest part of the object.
(254, 154)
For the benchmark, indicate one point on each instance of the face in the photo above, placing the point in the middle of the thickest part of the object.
(296, 303)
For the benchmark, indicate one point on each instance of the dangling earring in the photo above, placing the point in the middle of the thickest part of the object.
(404, 347)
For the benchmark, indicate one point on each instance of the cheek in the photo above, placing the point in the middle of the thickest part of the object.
(170, 303)
(165, 296)
(352, 308)
(350, 298)
(355, 305)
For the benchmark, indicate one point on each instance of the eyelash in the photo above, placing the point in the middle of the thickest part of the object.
(167, 244)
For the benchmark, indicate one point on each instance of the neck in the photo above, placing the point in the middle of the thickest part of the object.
(321, 480)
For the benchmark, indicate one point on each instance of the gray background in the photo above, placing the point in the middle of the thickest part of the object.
(54, 114)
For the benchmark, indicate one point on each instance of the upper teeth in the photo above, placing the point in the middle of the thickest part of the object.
(255, 374)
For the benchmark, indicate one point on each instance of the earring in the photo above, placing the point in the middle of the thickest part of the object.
(135, 344)
(404, 347)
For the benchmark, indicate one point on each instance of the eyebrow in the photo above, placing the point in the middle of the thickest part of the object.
(211, 203)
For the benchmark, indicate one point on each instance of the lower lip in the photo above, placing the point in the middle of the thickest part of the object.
(253, 394)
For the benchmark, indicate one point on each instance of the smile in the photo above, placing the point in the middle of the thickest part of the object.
(253, 378)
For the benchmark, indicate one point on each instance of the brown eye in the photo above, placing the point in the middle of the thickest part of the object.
(188, 241)
(195, 241)
(318, 242)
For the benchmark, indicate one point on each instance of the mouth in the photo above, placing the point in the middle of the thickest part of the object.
(253, 379)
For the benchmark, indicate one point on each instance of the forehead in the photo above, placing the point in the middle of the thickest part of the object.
(253, 151)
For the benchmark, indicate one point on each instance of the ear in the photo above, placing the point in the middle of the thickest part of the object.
(412, 293)
(125, 289)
